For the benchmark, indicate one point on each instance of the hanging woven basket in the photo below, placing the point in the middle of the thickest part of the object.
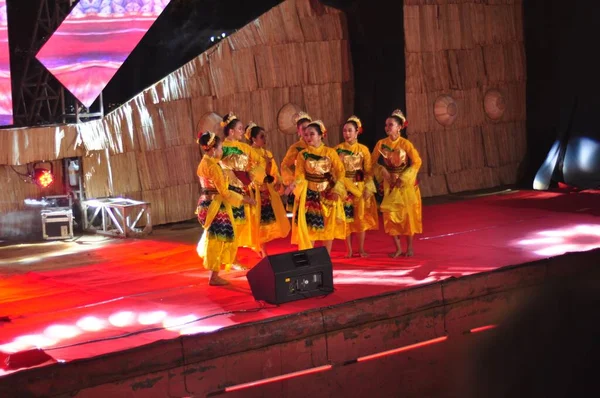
(445, 110)
(494, 104)
(286, 118)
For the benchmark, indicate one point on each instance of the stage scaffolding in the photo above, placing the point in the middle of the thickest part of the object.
(40, 99)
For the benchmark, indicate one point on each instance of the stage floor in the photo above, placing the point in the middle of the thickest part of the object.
(96, 295)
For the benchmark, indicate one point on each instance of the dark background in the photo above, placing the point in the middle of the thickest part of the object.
(563, 90)
(563, 83)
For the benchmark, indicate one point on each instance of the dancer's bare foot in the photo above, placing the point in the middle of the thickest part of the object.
(363, 254)
(216, 280)
(409, 253)
(398, 253)
(349, 255)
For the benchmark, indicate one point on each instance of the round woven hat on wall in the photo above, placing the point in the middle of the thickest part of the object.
(210, 121)
(445, 110)
(494, 104)
(286, 118)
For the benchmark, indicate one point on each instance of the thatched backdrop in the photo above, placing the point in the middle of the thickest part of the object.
(464, 50)
(296, 53)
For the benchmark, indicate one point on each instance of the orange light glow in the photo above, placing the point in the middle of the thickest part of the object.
(44, 178)
(482, 328)
(402, 349)
(278, 378)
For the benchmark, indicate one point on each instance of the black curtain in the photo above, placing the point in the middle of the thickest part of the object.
(563, 89)
(376, 33)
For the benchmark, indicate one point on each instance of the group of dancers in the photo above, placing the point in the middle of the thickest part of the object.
(331, 192)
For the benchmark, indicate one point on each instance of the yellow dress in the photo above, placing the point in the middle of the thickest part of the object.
(274, 223)
(218, 244)
(288, 168)
(317, 216)
(244, 168)
(288, 164)
(361, 214)
(400, 207)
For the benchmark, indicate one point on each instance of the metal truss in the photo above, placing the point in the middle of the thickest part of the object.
(40, 98)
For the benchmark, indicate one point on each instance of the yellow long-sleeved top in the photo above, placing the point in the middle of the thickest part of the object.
(322, 220)
(274, 223)
(241, 157)
(219, 244)
(401, 205)
(357, 160)
(288, 168)
(273, 170)
(212, 178)
(244, 166)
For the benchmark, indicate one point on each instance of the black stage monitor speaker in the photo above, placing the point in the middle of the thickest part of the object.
(292, 276)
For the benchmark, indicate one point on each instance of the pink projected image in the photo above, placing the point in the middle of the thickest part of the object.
(94, 40)
(6, 106)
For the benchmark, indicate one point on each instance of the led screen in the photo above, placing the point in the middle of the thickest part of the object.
(94, 40)
(6, 105)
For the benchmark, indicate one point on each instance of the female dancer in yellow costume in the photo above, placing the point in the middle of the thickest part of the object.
(401, 204)
(273, 217)
(302, 119)
(319, 189)
(244, 168)
(360, 206)
(218, 245)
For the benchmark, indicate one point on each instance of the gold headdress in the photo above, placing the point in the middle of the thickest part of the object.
(210, 143)
(249, 130)
(398, 113)
(356, 120)
(302, 115)
(321, 126)
(230, 117)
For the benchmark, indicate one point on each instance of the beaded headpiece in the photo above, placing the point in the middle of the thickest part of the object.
(302, 115)
(211, 141)
(231, 117)
(356, 120)
(248, 131)
(398, 113)
(321, 126)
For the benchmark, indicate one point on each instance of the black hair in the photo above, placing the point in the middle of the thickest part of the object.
(254, 132)
(401, 124)
(205, 137)
(352, 122)
(398, 120)
(302, 120)
(229, 126)
(316, 126)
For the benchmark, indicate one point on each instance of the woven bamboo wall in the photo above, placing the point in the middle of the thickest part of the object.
(297, 53)
(465, 50)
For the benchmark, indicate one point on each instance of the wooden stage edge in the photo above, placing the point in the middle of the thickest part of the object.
(197, 365)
